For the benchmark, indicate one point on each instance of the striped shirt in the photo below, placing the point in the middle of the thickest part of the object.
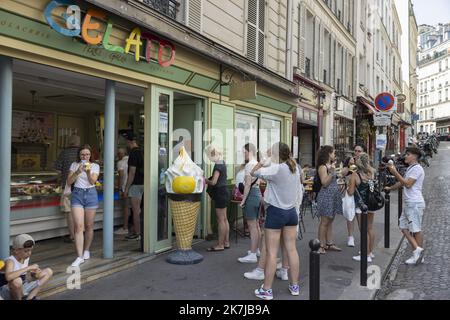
(65, 159)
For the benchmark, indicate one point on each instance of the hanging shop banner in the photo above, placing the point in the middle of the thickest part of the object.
(74, 25)
(381, 119)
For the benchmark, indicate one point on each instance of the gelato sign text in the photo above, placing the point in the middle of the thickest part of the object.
(74, 27)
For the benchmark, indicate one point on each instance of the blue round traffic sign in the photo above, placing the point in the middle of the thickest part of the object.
(384, 101)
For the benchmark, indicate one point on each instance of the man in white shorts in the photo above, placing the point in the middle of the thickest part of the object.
(414, 203)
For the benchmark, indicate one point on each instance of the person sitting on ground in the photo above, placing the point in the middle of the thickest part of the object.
(19, 281)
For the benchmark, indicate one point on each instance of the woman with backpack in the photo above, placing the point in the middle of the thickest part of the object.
(329, 199)
(360, 181)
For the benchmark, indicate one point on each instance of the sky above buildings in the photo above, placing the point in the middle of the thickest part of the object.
(432, 12)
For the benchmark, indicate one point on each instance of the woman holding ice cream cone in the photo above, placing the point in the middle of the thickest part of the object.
(83, 174)
(220, 195)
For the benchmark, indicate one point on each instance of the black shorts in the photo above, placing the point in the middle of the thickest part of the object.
(221, 197)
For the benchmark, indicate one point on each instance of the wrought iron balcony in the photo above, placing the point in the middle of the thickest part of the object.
(166, 7)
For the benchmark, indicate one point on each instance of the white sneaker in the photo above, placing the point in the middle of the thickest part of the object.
(255, 274)
(372, 255)
(250, 258)
(358, 258)
(86, 255)
(77, 262)
(411, 260)
(418, 255)
(282, 274)
(121, 232)
(258, 253)
(351, 242)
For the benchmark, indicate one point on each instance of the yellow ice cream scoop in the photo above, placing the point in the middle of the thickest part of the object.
(183, 185)
(2, 264)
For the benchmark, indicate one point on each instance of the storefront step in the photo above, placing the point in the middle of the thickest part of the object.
(94, 270)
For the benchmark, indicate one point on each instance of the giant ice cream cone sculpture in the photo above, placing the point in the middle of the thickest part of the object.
(184, 186)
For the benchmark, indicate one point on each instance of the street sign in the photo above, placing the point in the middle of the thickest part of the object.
(382, 119)
(384, 102)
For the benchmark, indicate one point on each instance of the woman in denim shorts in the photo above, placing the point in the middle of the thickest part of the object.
(83, 175)
(283, 198)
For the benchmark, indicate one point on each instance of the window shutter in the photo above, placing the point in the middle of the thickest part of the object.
(316, 47)
(344, 72)
(194, 16)
(256, 31)
(261, 30)
(302, 37)
(321, 50)
(333, 62)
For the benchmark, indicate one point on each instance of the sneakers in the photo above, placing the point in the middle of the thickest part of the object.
(294, 289)
(249, 258)
(255, 274)
(258, 253)
(417, 257)
(264, 294)
(86, 255)
(351, 242)
(282, 274)
(77, 262)
(358, 258)
(121, 232)
(133, 237)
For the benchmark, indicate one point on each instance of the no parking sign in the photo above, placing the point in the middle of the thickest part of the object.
(385, 102)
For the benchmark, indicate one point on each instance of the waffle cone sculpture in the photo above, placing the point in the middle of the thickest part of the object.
(184, 185)
(184, 215)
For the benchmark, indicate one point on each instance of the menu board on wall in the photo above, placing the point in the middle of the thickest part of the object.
(30, 126)
(222, 124)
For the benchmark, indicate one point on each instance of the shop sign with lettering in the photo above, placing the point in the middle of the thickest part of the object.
(76, 26)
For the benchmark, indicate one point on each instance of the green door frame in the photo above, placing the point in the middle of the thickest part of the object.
(152, 116)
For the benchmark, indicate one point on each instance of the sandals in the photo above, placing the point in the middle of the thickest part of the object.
(322, 250)
(214, 249)
(332, 247)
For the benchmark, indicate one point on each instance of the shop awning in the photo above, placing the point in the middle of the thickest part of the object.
(367, 104)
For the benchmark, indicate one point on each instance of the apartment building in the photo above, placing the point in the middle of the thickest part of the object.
(434, 79)
(324, 50)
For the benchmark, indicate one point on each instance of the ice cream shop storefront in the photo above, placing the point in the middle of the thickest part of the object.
(70, 68)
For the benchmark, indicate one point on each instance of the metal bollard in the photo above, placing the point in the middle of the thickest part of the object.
(363, 256)
(314, 270)
(387, 218)
(400, 203)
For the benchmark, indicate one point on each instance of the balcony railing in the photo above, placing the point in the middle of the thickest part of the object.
(166, 7)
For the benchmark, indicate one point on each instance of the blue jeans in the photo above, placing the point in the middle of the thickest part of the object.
(84, 198)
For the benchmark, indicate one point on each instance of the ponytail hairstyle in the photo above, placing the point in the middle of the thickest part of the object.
(284, 154)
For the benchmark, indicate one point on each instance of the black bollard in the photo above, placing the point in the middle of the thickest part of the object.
(363, 256)
(314, 270)
(400, 203)
(387, 218)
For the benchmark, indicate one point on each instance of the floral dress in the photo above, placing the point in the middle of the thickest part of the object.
(329, 200)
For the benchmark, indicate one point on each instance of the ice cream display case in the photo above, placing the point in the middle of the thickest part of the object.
(34, 189)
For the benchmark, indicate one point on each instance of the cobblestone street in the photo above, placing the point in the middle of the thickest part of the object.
(430, 280)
